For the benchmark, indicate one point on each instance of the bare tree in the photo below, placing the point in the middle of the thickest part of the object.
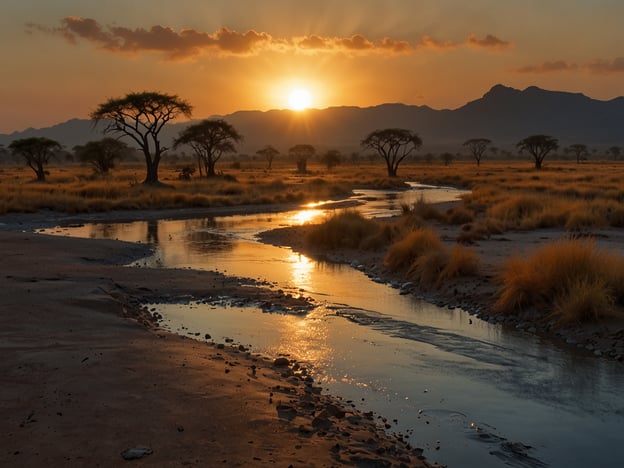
(102, 154)
(209, 140)
(477, 146)
(538, 146)
(142, 116)
(37, 152)
(580, 151)
(268, 153)
(393, 145)
(301, 154)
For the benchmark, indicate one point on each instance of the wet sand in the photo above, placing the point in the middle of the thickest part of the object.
(85, 375)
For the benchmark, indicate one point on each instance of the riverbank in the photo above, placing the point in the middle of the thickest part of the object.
(476, 294)
(87, 380)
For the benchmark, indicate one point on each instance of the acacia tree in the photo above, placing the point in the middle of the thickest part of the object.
(579, 150)
(301, 154)
(37, 152)
(269, 153)
(209, 140)
(393, 145)
(331, 158)
(102, 154)
(538, 146)
(142, 116)
(477, 146)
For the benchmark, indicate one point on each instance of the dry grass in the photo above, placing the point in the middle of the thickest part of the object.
(428, 261)
(571, 279)
(405, 251)
(348, 229)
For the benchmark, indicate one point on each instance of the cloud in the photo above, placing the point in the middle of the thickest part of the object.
(488, 42)
(598, 66)
(606, 67)
(189, 43)
(353, 44)
(548, 67)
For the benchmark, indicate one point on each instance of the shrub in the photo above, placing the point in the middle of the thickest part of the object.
(402, 253)
(571, 280)
(461, 262)
(348, 229)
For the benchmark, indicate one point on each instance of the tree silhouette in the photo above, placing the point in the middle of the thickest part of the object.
(538, 146)
(615, 151)
(331, 158)
(477, 146)
(269, 153)
(102, 154)
(142, 116)
(301, 154)
(393, 145)
(37, 152)
(579, 150)
(209, 140)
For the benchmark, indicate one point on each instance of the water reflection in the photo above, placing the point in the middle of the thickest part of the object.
(301, 267)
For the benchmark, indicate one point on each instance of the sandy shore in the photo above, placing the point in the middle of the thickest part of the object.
(85, 377)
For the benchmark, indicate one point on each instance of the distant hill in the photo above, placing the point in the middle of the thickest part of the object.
(504, 115)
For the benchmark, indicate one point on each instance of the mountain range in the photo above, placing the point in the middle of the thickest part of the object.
(504, 115)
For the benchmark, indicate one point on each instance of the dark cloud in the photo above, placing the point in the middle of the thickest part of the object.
(599, 66)
(488, 42)
(548, 67)
(189, 43)
(606, 67)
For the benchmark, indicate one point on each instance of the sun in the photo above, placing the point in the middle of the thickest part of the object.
(299, 99)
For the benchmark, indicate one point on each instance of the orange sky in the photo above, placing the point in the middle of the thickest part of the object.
(61, 58)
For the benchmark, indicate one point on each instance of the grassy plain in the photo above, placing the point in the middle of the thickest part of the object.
(578, 199)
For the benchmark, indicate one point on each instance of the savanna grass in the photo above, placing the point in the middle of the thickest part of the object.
(348, 229)
(570, 280)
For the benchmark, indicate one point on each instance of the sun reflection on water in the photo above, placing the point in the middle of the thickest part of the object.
(306, 215)
(301, 269)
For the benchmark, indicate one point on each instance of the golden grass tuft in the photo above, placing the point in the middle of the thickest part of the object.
(348, 229)
(404, 252)
(571, 280)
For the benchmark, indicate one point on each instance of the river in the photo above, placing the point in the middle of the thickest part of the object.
(470, 393)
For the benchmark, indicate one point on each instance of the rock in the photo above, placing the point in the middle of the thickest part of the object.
(281, 362)
(136, 453)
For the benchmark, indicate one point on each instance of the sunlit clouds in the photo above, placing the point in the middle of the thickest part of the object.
(598, 66)
(190, 43)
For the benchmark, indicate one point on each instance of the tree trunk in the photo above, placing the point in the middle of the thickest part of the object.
(538, 164)
(392, 172)
(151, 178)
(210, 169)
(302, 166)
(40, 172)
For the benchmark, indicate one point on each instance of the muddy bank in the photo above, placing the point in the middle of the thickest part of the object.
(87, 379)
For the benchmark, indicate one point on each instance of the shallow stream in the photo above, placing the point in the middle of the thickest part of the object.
(471, 393)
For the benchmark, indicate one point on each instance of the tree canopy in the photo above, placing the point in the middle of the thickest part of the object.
(142, 116)
(580, 151)
(269, 153)
(538, 146)
(301, 153)
(393, 145)
(209, 140)
(102, 154)
(37, 152)
(477, 146)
